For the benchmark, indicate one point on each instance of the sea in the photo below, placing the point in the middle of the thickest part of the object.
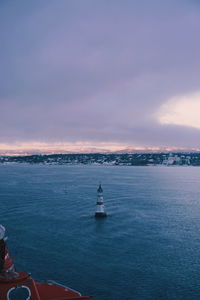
(147, 248)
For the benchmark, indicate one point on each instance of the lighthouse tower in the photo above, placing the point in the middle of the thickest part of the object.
(100, 211)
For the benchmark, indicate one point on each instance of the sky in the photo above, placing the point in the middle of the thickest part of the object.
(98, 75)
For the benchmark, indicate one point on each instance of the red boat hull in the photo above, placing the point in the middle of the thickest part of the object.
(21, 286)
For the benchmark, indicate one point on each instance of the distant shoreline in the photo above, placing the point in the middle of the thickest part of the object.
(134, 159)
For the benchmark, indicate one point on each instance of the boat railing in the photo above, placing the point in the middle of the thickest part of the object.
(62, 285)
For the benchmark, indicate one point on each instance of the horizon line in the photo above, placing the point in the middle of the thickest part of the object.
(82, 147)
(123, 151)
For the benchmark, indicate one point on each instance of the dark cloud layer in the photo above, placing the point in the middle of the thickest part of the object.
(96, 70)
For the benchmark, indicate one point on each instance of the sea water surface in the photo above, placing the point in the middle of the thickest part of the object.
(147, 247)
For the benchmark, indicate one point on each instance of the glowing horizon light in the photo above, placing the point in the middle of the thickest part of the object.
(27, 148)
(40, 148)
(181, 110)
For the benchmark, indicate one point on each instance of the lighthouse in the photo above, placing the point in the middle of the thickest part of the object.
(100, 211)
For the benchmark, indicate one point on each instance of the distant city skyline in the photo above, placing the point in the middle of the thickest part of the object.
(99, 76)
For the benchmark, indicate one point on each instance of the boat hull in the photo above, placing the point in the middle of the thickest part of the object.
(20, 285)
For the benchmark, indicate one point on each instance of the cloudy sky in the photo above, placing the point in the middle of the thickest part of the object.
(99, 74)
